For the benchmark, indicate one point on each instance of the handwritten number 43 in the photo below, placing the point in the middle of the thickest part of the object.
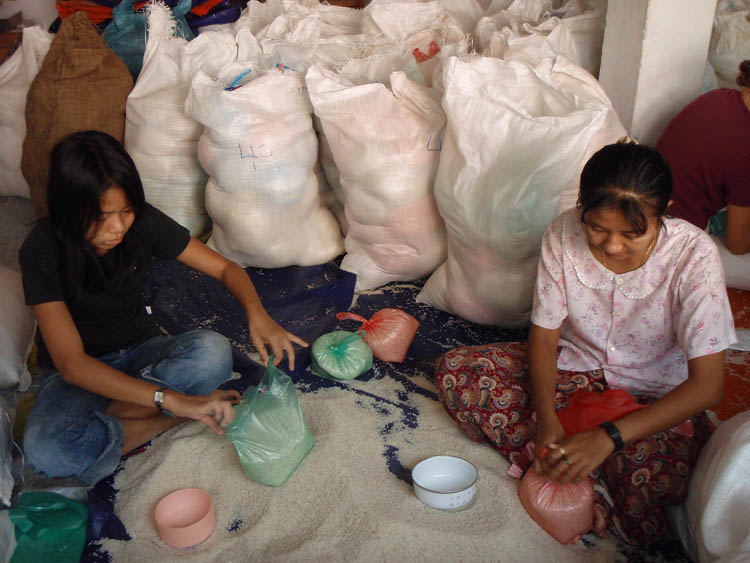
(260, 152)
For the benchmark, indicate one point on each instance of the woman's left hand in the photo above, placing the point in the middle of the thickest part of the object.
(264, 331)
(577, 456)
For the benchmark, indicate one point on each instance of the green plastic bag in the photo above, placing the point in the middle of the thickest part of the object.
(341, 355)
(269, 430)
(49, 527)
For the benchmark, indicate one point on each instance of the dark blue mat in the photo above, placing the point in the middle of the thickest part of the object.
(305, 301)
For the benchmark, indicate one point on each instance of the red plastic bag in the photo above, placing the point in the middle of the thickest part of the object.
(587, 409)
(566, 512)
(388, 333)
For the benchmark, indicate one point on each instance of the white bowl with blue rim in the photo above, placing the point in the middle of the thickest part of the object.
(445, 482)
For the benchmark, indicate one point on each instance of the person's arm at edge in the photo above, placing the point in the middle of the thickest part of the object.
(543, 370)
(263, 329)
(738, 229)
(542, 358)
(76, 367)
(703, 388)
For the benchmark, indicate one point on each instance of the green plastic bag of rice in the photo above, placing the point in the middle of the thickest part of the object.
(341, 355)
(269, 430)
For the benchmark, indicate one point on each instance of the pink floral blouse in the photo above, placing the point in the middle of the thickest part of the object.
(641, 326)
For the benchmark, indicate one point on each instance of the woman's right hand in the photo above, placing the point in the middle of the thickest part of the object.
(214, 410)
(549, 432)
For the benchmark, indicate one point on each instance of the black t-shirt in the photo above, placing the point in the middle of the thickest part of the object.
(114, 317)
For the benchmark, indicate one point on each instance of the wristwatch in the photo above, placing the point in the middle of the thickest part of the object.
(614, 435)
(159, 401)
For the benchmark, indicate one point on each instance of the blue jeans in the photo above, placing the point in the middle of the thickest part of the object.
(69, 434)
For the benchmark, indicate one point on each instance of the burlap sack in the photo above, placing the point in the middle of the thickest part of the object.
(81, 85)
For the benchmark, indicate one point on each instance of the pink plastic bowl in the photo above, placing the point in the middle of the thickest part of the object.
(185, 517)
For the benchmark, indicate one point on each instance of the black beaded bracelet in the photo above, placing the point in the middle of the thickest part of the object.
(614, 435)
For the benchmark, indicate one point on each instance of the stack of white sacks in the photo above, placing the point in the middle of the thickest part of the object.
(420, 138)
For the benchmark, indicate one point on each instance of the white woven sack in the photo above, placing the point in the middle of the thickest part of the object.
(730, 44)
(16, 75)
(552, 36)
(574, 31)
(587, 30)
(514, 16)
(17, 328)
(332, 20)
(160, 138)
(301, 36)
(535, 11)
(517, 137)
(719, 495)
(400, 19)
(466, 12)
(7, 482)
(430, 46)
(385, 142)
(333, 198)
(498, 6)
(257, 16)
(260, 151)
(301, 50)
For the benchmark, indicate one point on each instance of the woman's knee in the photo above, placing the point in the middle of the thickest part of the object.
(206, 361)
(58, 452)
(215, 355)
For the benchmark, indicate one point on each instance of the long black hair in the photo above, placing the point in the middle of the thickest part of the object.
(631, 178)
(83, 166)
(743, 78)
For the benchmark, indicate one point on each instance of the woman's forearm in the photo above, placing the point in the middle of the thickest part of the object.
(96, 376)
(703, 389)
(543, 370)
(241, 287)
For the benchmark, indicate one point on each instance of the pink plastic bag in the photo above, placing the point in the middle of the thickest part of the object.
(388, 333)
(566, 512)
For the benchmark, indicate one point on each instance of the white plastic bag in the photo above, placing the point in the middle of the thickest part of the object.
(516, 141)
(386, 144)
(719, 495)
(260, 151)
(16, 75)
(160, 138)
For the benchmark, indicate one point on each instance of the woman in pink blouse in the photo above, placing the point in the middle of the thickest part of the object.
(626, 298)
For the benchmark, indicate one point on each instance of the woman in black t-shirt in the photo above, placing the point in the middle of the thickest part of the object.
(110, 380)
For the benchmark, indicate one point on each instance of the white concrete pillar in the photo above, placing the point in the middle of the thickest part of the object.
(653, 60)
